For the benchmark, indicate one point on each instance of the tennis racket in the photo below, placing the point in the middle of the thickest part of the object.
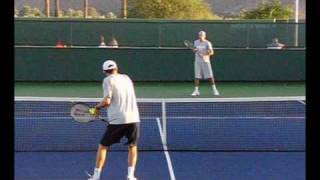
(82, 113)
(189, 44)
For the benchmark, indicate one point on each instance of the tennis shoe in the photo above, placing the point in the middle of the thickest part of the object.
(90, 177)
(132, 178)
(195, 93)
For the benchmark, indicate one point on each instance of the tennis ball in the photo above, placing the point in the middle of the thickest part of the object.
(92, 111)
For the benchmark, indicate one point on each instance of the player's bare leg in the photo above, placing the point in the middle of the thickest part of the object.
(196, 91)
(100, 162)
(196, 82)
(101, 156)
(214, 88)
(132, 161)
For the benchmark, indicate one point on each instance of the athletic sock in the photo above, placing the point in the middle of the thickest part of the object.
(131, 171)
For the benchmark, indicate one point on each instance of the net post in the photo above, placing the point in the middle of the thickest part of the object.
(164, 121)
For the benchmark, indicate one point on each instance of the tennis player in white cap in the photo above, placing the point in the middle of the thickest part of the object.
(120, 100)
(202, 66)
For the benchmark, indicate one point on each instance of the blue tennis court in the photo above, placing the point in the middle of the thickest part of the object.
(185, 139)
(153, 165)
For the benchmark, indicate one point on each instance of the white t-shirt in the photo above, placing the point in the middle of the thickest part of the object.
(202, 47)
(123, 108)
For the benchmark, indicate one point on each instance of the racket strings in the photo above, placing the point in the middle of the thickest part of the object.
(81, 112)
(188, 44)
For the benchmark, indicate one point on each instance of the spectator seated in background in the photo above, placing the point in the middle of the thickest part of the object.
(102, 43)
(59, 44)
(275, 44)
(113, 43)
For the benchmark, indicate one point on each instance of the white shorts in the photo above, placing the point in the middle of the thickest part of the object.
(202, 70)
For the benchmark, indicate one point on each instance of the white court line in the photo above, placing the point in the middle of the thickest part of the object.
(154, 100)
(238, 117)
(26, 118)
(166, 153)
(195, 117)
(302, 102)
(48, 112)
(62, 117)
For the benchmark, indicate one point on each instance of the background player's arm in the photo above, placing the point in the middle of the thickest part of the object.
(210, 50)
(195, 47)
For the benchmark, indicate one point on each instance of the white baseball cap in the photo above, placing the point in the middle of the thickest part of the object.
(109, 64)
(202, 33)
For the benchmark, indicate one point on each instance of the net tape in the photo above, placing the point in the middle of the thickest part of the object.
(192, 124)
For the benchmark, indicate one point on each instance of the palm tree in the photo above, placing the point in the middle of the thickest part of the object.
(47, 7)
(85, 11)
(57, 8)
(124, 8)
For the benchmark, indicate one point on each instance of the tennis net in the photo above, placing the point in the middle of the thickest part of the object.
(195, 124)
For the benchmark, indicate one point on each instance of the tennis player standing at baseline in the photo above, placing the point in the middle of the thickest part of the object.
(202, 66)
(123, 117)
